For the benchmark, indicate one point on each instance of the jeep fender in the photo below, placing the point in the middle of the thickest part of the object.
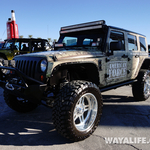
(144, 65)
(75, 71)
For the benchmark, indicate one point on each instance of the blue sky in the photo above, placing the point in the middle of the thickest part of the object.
(43, 18)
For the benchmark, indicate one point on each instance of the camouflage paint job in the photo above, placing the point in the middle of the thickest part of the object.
(115, 68)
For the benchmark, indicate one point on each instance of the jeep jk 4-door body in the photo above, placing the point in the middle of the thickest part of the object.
(88, 59)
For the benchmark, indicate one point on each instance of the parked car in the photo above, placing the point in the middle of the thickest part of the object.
(19, 46)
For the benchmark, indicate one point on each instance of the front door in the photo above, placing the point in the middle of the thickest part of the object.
(116, 70)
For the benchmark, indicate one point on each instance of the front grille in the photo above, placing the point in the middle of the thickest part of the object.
(29, 66)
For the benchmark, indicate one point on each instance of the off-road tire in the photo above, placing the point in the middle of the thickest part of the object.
(19, 106)
(65, 104)
(139, 88)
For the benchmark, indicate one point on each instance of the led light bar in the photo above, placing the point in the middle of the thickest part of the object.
(83, 26)
(94, 23)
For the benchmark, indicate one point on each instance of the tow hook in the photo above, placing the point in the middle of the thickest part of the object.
(9, 86)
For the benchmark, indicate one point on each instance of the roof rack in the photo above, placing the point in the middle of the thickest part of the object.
(83, 26)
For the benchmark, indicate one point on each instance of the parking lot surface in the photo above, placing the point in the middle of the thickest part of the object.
(123, 117)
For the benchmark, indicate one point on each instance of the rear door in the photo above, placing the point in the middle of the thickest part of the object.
(137, 53)
(133, 54)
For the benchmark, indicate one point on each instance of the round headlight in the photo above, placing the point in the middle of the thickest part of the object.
(43, 65)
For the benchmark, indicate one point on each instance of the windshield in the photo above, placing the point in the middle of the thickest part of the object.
(88, 41)
(8, 45)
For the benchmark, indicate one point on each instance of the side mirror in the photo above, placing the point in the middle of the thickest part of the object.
(115, 46)
(58, 45)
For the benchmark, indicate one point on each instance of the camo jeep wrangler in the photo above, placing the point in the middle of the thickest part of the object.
(88, 59)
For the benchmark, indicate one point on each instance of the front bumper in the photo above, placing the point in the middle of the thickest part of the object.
(21, 85)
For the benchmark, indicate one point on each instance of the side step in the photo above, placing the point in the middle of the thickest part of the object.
(114, 86)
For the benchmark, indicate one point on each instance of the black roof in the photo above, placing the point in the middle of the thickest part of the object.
(125, 30)
(26, 39)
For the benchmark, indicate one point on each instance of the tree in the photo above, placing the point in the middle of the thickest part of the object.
(21, 36)
(49, 40)
(55, 40)
(30, 36)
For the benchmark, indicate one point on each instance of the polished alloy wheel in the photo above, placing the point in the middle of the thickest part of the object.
(147, 86)
(85, 112)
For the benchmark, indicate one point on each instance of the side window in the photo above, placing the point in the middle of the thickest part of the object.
(47, 46)
(132, 42)
(16, 45)
(87, 41)
(142, 44)
(24, 46)
(116, 36)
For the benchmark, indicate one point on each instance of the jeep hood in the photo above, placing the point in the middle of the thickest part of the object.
(63, 55)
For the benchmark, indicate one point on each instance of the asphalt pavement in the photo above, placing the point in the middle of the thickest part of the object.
(123, 117)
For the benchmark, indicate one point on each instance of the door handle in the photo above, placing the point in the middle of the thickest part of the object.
(124, 56)
(136, 56)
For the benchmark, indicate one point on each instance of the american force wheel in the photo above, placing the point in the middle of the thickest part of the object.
(18, 104)
(141, 88)
(77, 110)
(85, 112)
